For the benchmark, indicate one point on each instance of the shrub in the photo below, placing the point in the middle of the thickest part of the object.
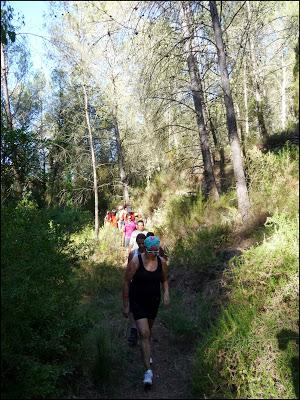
(41, 329)
(240, 356)
(271, 177)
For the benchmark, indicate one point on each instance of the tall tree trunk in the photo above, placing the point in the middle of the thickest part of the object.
(238, 168)
(5, 88)
(283, 93)
(240, 130)
(210, 188)
(218, 147)
(123, 176)
(93, 162)
(246, 100)
(221, 154)
(256, 83)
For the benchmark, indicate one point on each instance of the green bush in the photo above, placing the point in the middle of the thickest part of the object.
(41, 328)
(109, 247)
(181, 325)
(240, 356)
(271, 177)
(197, 251)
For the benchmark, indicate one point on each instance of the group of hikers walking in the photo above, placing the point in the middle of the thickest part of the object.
(125, 220)
(145, 277)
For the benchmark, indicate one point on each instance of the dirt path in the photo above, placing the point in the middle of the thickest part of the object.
(172, 366)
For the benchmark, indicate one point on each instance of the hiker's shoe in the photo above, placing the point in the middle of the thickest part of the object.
(151, 361)
(133, 337)
(148, 376)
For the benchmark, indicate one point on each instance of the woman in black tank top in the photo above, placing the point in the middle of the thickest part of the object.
(145, 275)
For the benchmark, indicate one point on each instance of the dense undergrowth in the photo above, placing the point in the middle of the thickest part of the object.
(50, 334)
(41, 326)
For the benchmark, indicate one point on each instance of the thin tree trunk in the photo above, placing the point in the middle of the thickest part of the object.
(218, 147)
(123, 176)
(241, 133)
(5, 88)
(238, 168)
(93, 162)
(283, 94)
(221, 153)
(256, 83)
(246, 101)
(210, 188)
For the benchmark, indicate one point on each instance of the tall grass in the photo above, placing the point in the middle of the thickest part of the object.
(241, 356)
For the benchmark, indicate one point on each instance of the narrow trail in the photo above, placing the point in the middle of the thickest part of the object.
(172, 366)
(173, 355)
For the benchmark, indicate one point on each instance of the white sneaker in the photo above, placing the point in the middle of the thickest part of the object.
(151, 361)
(148, 376)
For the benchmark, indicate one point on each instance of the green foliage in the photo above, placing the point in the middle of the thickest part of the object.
(271, 176)
(99, 278)
(19, 160)
(109, 245)
(240, 356)
(7, 29)
(180, 324)
(163, 185)
(106, 356)
(101, 352)
(41, 329)
(102, 355)
(197, 250)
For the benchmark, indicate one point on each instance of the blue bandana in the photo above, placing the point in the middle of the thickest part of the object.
(152, 244)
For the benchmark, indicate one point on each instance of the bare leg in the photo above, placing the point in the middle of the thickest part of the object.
(151, 322)
(143, 328)
(132, 321)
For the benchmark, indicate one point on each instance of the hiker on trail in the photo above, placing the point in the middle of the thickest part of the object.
(133, 336)
(113, 220)
(144, 276)
(140, 249)
(121, 217)
(107, 218)
(129, 227)
(161, 253)
(141, 216)
(139, 229)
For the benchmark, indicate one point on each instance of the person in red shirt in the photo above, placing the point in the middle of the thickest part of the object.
(113, 220)
(107, 218)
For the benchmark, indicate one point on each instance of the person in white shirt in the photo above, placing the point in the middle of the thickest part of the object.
(139, 229)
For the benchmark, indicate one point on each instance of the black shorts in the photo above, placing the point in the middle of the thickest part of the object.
(147, 309)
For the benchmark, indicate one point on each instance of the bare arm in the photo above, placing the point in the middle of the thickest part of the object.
(130, 256)
(165, 282)
(131, 243)
(129, 273)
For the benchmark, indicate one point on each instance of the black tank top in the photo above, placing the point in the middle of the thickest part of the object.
(146, 284)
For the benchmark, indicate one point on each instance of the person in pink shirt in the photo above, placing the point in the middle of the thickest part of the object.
(129, 227)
